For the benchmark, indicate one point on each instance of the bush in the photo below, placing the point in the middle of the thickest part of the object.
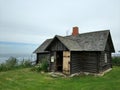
(116, 61)
(25, 63)
(3, 67)
(12, 63)
(42, 66)
(9, 64)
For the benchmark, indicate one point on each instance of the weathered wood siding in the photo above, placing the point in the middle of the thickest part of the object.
(53, 64)
(42, 56)
(56, 45)
(84, 62)
(105, 65)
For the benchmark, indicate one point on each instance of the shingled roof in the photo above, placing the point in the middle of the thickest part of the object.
(92, 41)
(41, 48)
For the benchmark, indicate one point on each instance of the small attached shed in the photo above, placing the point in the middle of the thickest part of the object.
(41, 53)
(87, 52)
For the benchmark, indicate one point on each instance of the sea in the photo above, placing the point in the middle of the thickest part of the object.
(19, 57)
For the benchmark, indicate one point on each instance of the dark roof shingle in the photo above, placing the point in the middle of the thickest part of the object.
(42, 47)
(93, 41)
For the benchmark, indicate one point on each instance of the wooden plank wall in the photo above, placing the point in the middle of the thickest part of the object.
(104, 66)
(84, 62)
(53, 64)
(57, 46)
(42, 56)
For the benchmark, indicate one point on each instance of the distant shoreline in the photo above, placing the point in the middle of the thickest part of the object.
(20, 57)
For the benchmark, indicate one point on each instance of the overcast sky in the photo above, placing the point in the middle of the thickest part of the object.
(33, 21)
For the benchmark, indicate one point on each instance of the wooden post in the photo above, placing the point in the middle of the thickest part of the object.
(66, 62)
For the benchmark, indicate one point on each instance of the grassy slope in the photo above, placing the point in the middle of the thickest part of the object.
(24, 79)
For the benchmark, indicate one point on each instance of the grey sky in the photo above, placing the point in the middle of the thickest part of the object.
(33, 21)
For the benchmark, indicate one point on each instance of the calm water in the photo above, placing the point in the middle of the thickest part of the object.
(20, 57)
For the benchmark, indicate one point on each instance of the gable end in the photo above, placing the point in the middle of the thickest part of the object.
(109, 44)
(56, 45)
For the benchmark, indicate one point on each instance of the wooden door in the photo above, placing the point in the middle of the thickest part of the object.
(66, 62)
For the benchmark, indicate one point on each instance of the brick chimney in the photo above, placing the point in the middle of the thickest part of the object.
(75, 31)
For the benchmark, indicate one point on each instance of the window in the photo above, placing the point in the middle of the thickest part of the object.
(105, 57)
(52, 59)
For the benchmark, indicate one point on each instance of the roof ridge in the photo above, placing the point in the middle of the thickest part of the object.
(95, 31)
(66, 37)
(91, 32)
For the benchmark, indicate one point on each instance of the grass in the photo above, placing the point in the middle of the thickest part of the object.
(24, 79)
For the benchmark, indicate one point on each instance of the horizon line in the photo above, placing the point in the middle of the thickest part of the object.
(16, 43)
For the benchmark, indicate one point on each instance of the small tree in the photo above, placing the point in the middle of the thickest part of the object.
(11, 63)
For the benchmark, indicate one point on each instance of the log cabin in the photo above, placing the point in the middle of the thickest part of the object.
(84, 52)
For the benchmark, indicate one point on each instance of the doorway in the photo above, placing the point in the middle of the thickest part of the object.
(59, 61)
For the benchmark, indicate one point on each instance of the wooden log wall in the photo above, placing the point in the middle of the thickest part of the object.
(53, 62)
(105, 65)
(42, 56)
(84, 62)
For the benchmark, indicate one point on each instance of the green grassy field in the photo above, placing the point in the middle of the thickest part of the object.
(24, 79)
